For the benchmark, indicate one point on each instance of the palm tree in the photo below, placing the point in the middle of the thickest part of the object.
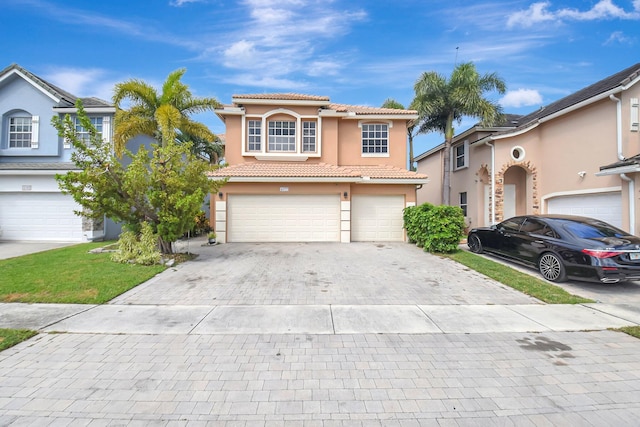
(211, 150)
(440, 102)
(160, 116)
(392, 103)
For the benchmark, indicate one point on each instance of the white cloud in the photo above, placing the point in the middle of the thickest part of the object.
(286, 37)
(179, 3)
(540, 12)
(82, 82)
(619, 38)
(521, 98)
(265, 82)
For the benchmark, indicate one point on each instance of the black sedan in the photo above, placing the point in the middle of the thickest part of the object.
(562, 247)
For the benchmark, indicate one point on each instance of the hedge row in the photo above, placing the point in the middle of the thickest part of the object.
(434, 228)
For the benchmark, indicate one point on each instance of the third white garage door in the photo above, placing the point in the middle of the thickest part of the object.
(283, 218)
(604, 206)
(377, 218)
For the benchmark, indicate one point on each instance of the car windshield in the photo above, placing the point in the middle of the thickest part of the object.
(592, 230)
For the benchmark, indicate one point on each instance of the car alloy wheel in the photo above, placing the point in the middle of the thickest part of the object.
(474, 244)
(551, 267)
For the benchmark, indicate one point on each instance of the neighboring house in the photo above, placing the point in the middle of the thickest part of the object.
(578, 155)
(302, 169)
(31, 154)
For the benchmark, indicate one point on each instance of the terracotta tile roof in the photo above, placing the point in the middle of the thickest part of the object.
(313, 170)
(283, 96)
(363, 110)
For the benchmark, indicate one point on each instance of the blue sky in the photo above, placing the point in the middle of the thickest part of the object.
(356, 52)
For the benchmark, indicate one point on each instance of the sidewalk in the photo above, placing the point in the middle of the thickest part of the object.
(315, 319)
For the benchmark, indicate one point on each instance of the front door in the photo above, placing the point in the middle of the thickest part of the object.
(509, 206)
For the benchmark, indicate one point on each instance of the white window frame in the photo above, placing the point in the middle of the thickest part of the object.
(364, 127)
(254, 138)
(104, 132)
(309, 132)
(281, 133)
(265, 153)
(464, 156)
(29, 138)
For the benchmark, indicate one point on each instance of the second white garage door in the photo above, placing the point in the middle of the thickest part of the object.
(283, 218)
(603, 206)
(377, 218)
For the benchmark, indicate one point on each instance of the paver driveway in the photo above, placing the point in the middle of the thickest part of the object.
(166, 378)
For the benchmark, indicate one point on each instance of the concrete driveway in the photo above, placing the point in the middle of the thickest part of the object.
(322, 335)
(11, 249)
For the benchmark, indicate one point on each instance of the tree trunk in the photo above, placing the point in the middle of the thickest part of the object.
(165, 247)
(446, 162)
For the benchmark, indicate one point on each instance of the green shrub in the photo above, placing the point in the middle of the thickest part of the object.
(142, 250)
(434, 228)
(445, 228)
(415, 222)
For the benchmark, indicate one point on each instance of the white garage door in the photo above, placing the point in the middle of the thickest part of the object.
(39, 217)
(377, 218)
(283, 218)
(605, 206)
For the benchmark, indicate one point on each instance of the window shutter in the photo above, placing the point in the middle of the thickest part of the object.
(466, 153)
(35, 130)
(635, 119)
(106, 128)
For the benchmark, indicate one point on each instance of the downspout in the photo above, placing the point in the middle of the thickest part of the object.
(632, 207)
(493, 180)
(624, 177)
(618, 125)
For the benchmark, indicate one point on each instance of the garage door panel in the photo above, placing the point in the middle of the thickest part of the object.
(604, 206)
(377, 218)
(284, 218)
(39, 217)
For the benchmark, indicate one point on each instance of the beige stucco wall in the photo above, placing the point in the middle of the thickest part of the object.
(340, 138)
(432, 167)
(555, 152)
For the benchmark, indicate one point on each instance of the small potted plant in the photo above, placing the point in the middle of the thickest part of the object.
(212, 237)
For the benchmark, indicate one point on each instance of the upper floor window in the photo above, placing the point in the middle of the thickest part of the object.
(282, 136)
(461, 156)
(375, 138)
(20, 132)
(255, 134)
(308, 137)
(83, 134)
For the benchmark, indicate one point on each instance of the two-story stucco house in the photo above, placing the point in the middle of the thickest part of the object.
(303, 169)
(31, 154)
(578, 155)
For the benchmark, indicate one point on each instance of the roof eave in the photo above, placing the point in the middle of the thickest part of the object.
(619, 170)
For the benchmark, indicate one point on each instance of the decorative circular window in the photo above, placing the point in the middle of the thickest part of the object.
(517, 153)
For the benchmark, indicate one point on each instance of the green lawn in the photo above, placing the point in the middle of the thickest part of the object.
(69, 275)
(11, 337)
(525, 283)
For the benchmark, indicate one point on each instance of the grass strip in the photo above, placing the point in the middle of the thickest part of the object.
(11, 337)
(69, 275)
(634, 331)
(522, 282)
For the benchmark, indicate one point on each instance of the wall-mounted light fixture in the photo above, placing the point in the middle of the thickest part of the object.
(345, 194)
(581, 174)
(220, 195)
